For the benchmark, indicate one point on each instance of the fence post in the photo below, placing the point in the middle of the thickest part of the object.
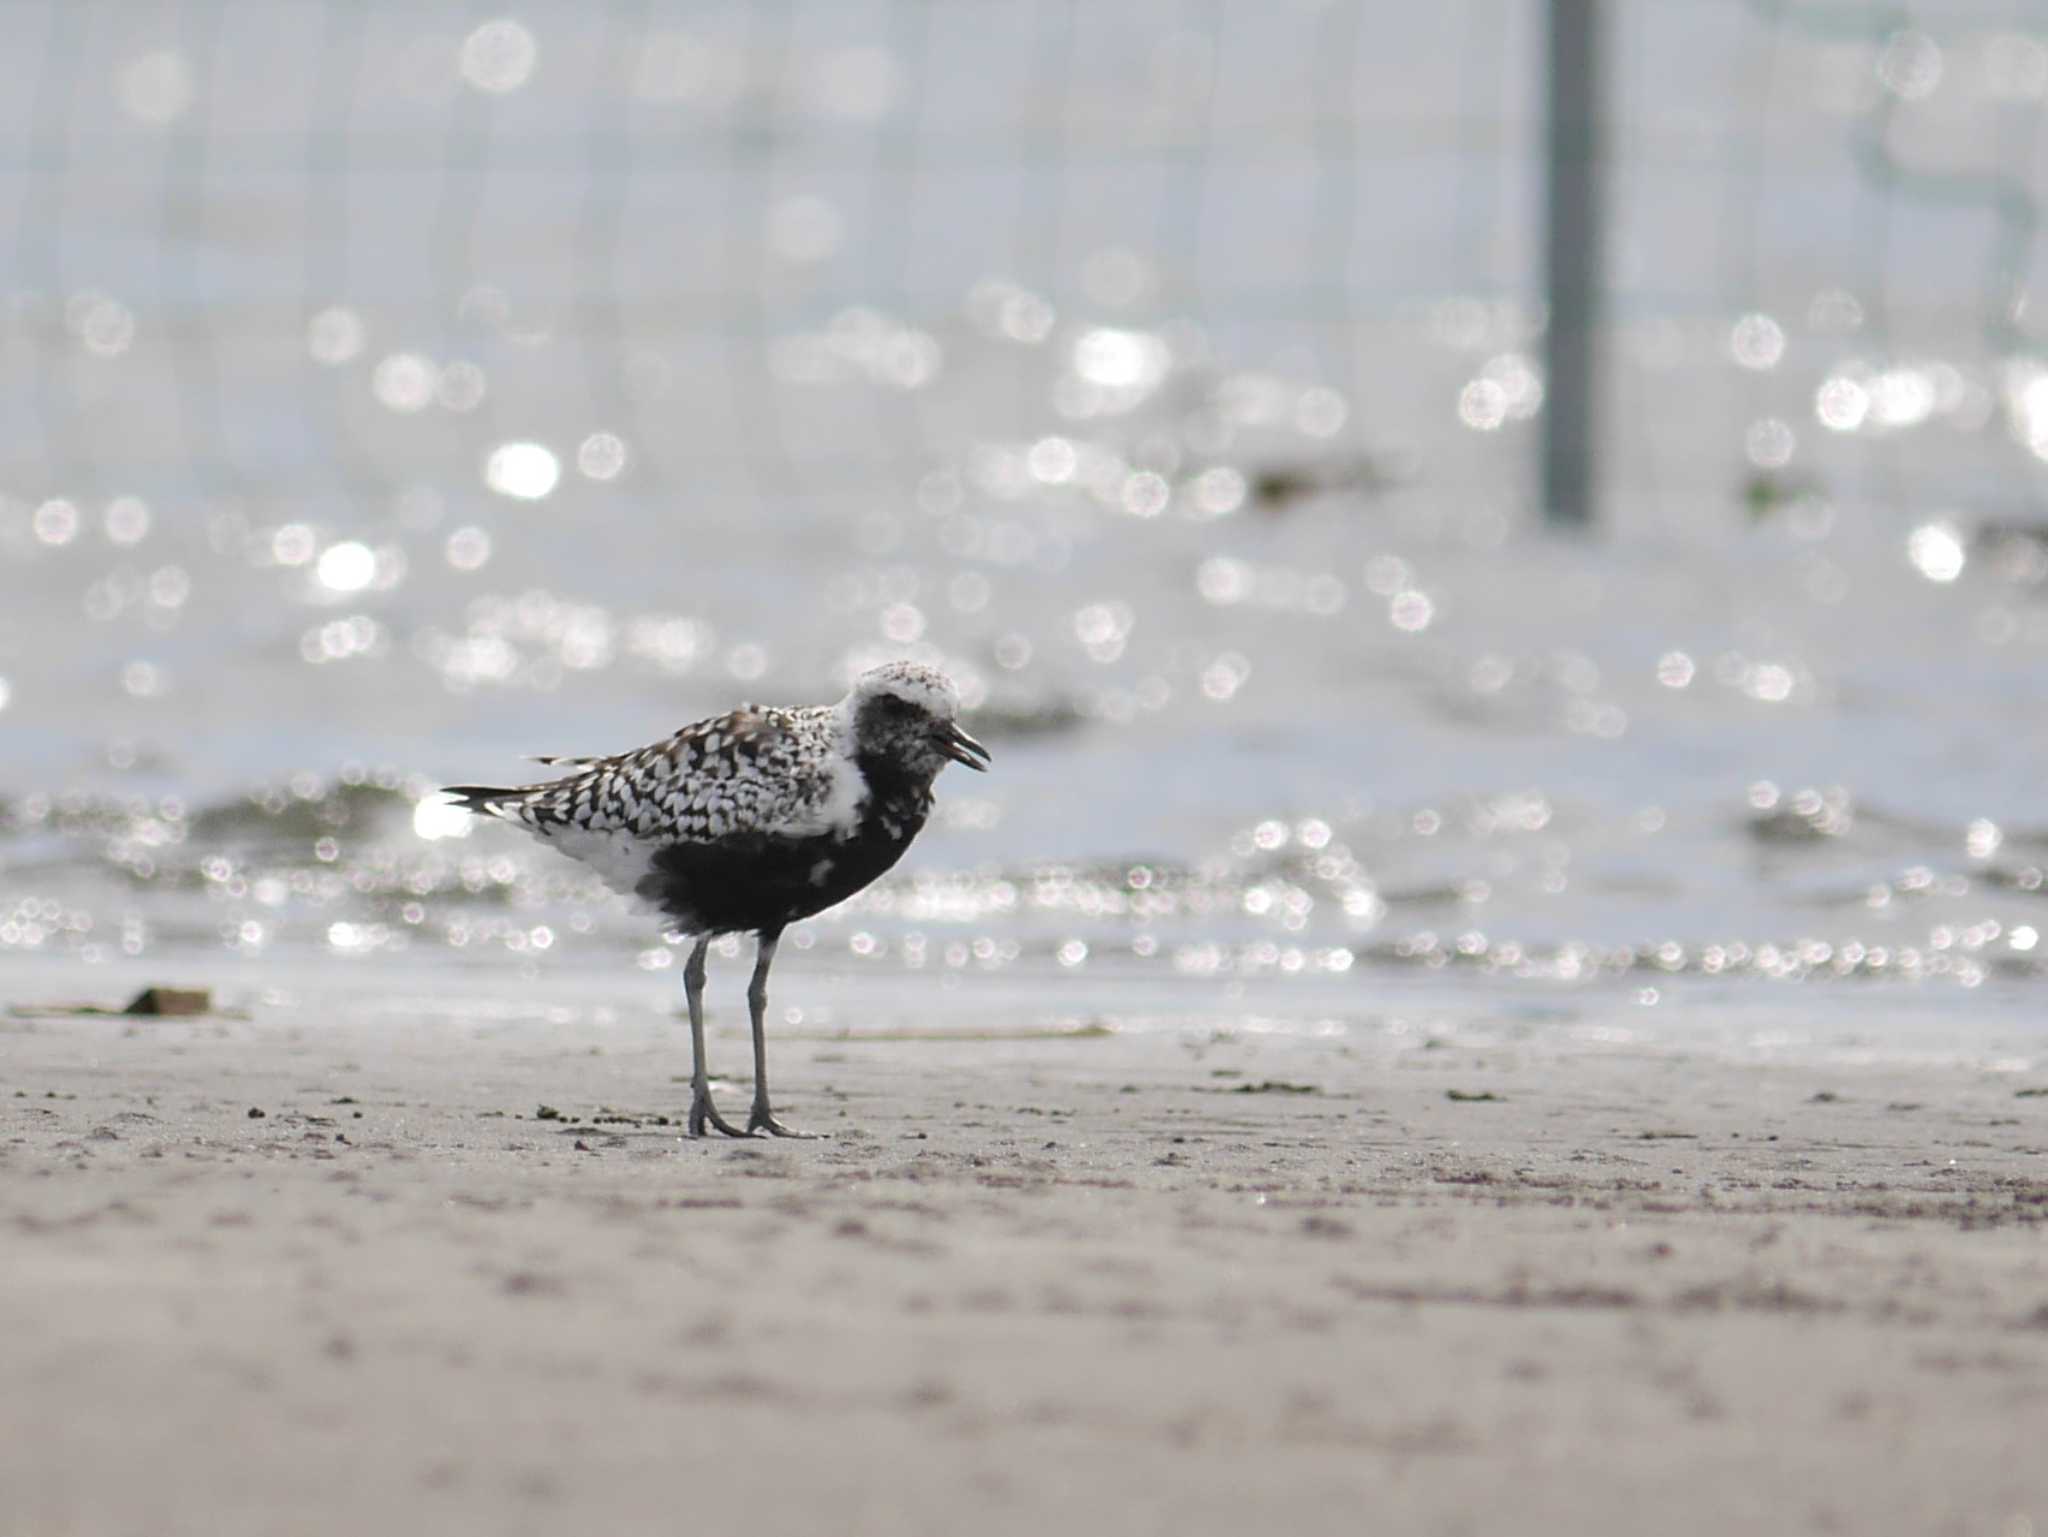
(1574, 252)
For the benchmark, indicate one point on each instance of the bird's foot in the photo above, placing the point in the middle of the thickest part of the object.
(763, 1119)
(703, 1111)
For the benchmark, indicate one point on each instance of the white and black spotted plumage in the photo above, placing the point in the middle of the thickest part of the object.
(750, 821)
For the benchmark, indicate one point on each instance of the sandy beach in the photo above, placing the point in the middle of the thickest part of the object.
(285, 1273)
(1495, 985)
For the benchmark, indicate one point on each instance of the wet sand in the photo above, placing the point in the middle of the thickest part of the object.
(1036, 1283)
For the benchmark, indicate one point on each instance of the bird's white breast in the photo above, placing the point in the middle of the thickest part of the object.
(833, 807)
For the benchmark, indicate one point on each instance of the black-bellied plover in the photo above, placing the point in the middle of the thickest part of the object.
(748, 822)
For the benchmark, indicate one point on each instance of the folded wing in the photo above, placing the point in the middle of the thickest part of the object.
(758, 771)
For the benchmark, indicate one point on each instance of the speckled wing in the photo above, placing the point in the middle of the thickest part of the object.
(778, 773)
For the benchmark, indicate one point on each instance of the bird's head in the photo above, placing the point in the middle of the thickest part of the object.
(905, 714)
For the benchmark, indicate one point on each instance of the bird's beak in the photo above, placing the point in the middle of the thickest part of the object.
(962, 748)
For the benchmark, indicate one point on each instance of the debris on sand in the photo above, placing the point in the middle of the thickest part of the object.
(171, 1000)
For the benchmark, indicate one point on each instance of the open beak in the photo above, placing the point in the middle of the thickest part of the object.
(962, 748)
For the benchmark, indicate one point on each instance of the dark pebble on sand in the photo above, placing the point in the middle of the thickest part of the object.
(170, 1001)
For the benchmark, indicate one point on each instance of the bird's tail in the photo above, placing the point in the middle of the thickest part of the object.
(484, 800)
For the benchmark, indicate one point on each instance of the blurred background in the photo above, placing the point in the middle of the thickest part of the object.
(1481, 496)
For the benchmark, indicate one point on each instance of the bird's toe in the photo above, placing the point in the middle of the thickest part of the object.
(763, 1119)
(703, 1113)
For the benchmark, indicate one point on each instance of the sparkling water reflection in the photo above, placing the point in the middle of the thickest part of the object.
(1283, 687)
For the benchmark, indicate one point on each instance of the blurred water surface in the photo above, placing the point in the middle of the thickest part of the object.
(389, 392)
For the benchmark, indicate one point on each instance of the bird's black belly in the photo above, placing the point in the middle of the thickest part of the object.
(757, 881)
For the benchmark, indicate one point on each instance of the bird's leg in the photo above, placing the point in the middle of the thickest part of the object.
(701, 1108)
(763, 1119)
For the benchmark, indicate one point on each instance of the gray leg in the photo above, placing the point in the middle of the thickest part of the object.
(763, 1119)
(701, 1108)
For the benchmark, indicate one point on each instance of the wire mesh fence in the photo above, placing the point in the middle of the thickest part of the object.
(757, 255)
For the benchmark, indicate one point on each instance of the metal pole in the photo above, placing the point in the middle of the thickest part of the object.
(1573, 251)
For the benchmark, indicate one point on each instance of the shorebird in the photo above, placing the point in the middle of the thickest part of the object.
(748, 822)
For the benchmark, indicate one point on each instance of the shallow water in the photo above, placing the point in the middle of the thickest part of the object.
(1285, 691)
(1520, 789)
